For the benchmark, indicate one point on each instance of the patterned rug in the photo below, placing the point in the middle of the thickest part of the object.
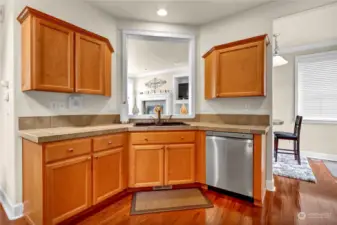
(287, 166)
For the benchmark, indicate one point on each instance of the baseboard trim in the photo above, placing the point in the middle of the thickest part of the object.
(13, 211)
(270, 185)
(316, 155)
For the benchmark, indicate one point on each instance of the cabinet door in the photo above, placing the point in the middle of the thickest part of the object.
(53, 57)
(90, 65)
(68, 188)
(146, 165)
(179, 164)
(107, 174)
(241, 70)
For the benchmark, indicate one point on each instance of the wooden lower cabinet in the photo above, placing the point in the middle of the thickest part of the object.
(68, 188)
(179, 164)
(107, 174)
(157, 165)
(146, 165)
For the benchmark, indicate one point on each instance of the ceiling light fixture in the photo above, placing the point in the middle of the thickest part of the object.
(277, 59)
(162, 12)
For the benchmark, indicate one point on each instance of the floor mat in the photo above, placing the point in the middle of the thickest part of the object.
(287, 166)
(168, 200)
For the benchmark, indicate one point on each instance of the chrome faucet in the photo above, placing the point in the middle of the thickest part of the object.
(159, 121)
(158, 111)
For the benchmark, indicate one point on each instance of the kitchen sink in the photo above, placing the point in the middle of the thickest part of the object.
(161, 124)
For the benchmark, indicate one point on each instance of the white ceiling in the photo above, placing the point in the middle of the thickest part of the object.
(191, 12)
(152, 56)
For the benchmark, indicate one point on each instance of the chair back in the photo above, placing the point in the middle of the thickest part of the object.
(298, 124)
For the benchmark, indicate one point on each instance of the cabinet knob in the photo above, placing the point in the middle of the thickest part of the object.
(70, 150)
(89, 158)
(146, 139)
(96, 157)
(182, 138)
(110, 142)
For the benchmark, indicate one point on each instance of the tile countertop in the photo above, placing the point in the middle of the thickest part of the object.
(66, 133)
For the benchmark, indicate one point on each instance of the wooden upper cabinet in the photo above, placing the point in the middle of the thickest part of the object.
(90, 65)
(236, 69)
(179, 164)
(55, 54)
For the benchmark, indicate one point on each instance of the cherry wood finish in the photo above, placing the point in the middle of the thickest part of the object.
(47, 56)
(33, 173)
(90, 68)
(162, 137)
(67, 149)
(200, 159)
(60, 57)
(146, 165)
(63, 179)
(107, 174)
(179, 164)
(28, 11)
(68, 188)
(211, 64)
(236, 69)
(259, 175)
(109, 141)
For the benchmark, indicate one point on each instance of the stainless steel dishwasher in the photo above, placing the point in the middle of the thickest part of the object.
(229, 162)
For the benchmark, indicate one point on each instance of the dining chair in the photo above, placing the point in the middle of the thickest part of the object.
(280, 135)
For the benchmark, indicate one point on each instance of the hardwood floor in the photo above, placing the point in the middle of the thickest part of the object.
(317, 201)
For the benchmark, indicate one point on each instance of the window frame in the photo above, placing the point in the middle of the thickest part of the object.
(192, 67)
(297, 106)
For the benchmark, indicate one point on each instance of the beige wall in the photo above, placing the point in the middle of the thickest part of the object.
(318, 138)
(307, 31)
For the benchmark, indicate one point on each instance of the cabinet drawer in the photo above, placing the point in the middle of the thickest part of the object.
(67, 149)
(162, 137)
(108, 142)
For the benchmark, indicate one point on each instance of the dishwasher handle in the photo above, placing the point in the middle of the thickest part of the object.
(229, 135)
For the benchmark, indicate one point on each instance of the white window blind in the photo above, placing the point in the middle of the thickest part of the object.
(317, 86)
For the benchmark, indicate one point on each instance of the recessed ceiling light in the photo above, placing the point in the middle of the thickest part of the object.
(162, 12)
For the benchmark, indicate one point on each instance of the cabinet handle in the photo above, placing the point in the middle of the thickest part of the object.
(110, 142)
(70, 150)
(146, 139)
(96, 157)
(182, 138)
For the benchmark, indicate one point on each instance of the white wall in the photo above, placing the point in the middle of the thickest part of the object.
(310, 27)
(7, 118)
(317, 138)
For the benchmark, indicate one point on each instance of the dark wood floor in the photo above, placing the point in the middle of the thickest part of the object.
(317, 201)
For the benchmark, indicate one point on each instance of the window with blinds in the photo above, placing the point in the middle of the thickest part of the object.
(317, 86)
